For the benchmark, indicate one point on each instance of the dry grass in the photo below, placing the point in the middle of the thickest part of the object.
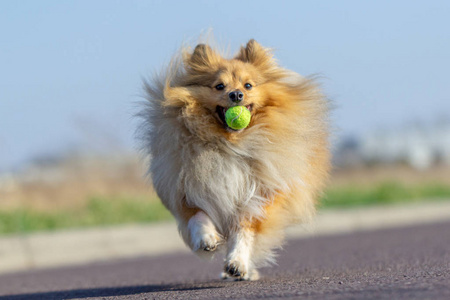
(112, 190)
(367, 176)
(71, 183)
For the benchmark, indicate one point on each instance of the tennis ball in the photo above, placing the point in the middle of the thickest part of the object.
(237, 117)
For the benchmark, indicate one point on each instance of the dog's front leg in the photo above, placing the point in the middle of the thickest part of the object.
(238, 259)
(203, 233)
(197, 229)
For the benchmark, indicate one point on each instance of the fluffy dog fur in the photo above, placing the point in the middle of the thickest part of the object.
(235, 190)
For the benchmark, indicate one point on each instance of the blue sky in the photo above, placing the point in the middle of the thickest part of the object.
(70, 71)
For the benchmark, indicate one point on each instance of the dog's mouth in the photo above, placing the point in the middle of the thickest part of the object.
(220, 110)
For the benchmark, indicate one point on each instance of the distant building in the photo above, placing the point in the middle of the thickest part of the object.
(418, 145)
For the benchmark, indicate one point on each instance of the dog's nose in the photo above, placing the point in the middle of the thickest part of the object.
(236, 96)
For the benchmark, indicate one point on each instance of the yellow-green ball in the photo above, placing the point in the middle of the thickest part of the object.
(238, 117)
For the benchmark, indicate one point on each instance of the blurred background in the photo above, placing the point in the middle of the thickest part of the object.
(71, 79)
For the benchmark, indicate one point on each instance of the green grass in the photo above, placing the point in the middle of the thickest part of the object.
(105, 211)
(98, 212)
(383, 193)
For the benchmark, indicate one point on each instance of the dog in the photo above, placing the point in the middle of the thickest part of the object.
(235, 190)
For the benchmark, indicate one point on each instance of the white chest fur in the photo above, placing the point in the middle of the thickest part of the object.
(222, 184)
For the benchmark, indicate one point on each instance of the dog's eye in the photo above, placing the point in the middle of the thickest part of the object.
(220, 87)
(248, 86)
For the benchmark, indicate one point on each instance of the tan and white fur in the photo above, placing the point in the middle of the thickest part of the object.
(235, 190)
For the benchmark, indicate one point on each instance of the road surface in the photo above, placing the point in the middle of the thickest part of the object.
(402, 263)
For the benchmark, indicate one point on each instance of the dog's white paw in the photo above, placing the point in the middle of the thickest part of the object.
(238, 263)
(208, 242)
(253, 275)
(204, 236)
(237, 269)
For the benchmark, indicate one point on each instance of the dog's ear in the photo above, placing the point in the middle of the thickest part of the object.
(255, 54)
(202, 59)
(261, 58)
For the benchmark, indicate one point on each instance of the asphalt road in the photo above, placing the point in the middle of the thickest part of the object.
(404, 263)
